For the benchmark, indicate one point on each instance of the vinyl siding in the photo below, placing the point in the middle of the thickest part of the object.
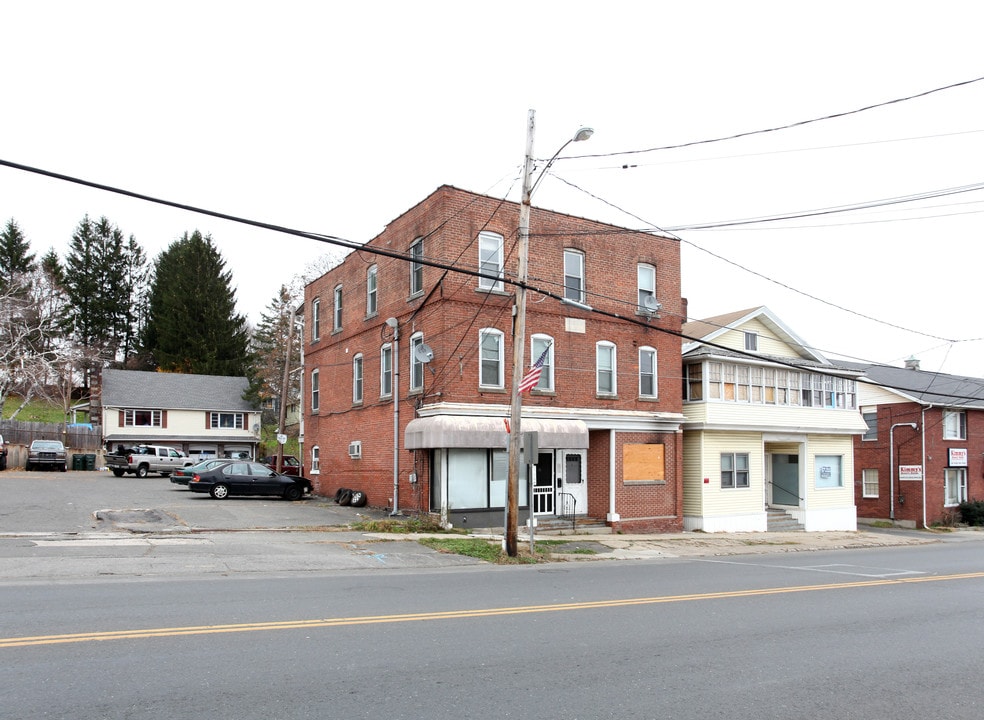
(747, 415)
(830, 498)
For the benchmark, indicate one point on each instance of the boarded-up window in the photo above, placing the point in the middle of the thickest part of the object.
(643, 463)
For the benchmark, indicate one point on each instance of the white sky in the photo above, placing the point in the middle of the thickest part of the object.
(336, 117)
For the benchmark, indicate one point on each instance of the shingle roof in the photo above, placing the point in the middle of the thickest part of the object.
(173, 391)
(926, 387)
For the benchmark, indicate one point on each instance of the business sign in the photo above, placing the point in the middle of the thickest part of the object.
(958, 457)
(910, 472)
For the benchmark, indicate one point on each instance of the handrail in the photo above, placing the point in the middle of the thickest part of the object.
(573, 509)
(788, 492)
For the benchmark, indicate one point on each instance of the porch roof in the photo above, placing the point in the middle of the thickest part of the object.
(463, 431)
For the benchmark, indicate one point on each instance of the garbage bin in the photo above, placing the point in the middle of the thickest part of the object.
(90, 461)
(78, 462)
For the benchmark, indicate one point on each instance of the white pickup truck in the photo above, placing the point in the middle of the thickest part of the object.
(144, 459)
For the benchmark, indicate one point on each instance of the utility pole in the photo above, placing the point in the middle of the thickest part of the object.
(519, 347)
(283, 392)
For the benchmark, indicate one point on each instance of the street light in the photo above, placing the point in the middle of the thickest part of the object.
(519, 331)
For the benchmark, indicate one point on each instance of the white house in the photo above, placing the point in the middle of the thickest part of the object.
(202, 415)
(769, 428)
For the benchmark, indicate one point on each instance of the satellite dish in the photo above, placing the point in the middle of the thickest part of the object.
(651, 304)
(423, 353)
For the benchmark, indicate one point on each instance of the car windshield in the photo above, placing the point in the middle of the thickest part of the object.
(47, 445)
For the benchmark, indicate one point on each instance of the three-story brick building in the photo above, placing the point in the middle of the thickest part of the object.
(407, 367)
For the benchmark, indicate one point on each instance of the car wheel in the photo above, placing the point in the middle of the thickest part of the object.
(293, 492)
(357, 499)
(219, 492)
(142, 471)
(117, 473)
(64, 467)
(27, 467)
(346, 497)
(338, 493)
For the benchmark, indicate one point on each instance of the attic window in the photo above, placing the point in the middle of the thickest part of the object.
(751, 342)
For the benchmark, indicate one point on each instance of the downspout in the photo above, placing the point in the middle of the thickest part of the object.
(923, 461)
(891, 466)
(612, 515)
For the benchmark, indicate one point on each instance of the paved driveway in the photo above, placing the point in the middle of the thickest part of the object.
(78, 501)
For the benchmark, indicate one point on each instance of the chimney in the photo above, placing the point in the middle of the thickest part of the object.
(912, 363)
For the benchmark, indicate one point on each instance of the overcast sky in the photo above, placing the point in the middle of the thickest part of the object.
(336, 117)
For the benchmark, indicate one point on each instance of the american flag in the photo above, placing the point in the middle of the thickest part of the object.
(531, 378)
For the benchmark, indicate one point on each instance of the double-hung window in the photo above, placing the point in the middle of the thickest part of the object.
(490, 260)
(357, 369)
(235, 421)
(416, 267)
(315, 460)
(954, 425)
(734, 470)
(386, 370)
(539, 344)
(605, 368)
(491, 371)
(416, 362)
(574, 275)
(647, 287)
(315, 391)
(372, 302)
(315, 319)
(338, 308)
(647, 372)
(869, 482)
(955, 486)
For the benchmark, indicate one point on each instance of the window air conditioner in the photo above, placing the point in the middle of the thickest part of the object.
(355, 449)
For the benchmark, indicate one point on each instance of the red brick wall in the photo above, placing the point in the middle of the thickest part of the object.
(453, 313)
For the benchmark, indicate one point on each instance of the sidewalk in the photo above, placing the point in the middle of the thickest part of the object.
(696, 544)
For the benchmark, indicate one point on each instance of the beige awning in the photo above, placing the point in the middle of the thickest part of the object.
(463, 431)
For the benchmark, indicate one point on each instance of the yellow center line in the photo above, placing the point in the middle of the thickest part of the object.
(13, 642)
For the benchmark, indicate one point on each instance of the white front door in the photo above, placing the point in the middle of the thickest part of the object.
(573, 487)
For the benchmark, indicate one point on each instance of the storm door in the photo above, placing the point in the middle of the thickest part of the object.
(785, 479)
(572, 496)
(543, 485)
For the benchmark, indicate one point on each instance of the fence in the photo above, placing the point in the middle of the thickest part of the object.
(75, 437)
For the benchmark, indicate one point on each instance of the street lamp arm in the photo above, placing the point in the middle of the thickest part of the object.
(582, 134)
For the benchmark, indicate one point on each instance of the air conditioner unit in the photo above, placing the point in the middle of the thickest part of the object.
(355, 449)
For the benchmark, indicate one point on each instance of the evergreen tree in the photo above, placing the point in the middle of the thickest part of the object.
(192, 323)
(15, 258)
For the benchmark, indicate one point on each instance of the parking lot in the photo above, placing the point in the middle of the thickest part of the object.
(83, 501)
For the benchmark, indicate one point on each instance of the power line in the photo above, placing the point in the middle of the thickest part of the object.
(799, 123)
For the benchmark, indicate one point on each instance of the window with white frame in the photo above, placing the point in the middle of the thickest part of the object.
(372, 276)
(143, 418)
(574, 275)
(490, 260)
(605, 368)
(315, 460)
(955, 486)
(338, 308)
(751, 341)
(416, 365)
(869, 483)
(647, 285)
(357, 379)
(315, 391)
(386, 370)
(731, 382)
(416, 267)
(647, 372)
(827, 471)
(538, 344)
(491, 370)
(315, 319)
(236, 421)
(954, 425)
(734, 470)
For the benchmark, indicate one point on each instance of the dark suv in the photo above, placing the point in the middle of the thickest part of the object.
(291, 465)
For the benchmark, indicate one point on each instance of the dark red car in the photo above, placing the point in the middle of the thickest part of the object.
(291, 465)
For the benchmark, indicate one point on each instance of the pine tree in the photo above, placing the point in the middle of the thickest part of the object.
(15, 258)
(192, 323)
